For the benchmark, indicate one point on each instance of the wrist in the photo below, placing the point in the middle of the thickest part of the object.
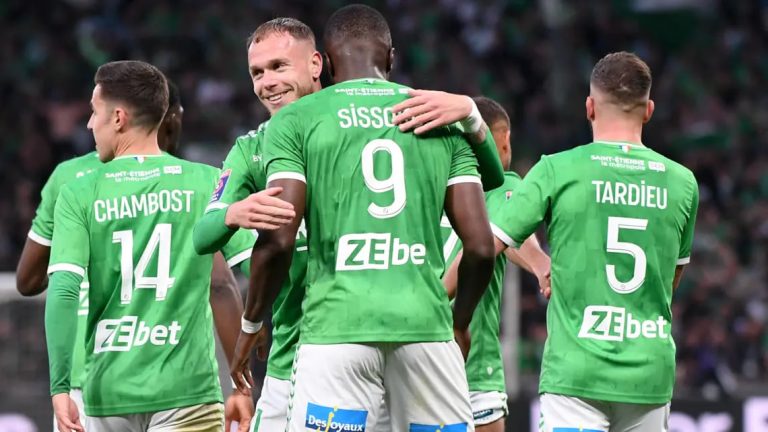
(229, 219)
(474, 121)
(250, 327)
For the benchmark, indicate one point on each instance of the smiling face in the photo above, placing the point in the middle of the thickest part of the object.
(282, 69)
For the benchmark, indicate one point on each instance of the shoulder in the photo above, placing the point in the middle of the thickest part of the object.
(675, 167)
(250, 141)
(77, 167)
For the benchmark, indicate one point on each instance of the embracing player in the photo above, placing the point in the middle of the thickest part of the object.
(132, 219)
(284, 66)
(620, 220)
(375, 314)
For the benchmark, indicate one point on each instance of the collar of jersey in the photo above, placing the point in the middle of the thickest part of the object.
(363, 79)
(139, 155)
(635, 145)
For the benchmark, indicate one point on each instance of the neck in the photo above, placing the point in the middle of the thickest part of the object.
(137, 143)
(356, 69)
(618, 130)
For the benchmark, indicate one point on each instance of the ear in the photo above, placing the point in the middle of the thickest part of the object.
(328, 62)
(649, 107)
(119, 118)
(316, 65)
(390, 60)
(590, 108)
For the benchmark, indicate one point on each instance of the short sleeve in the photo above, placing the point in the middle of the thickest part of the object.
(239, 247)
(463, 164)
(235, 181)
(686, 240)
(518, 217)
(42, 225)
(283, 147)
(70, 228)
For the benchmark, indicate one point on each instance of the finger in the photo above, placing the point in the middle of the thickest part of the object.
(272, 191)
(405, 119)
(274, 211)
(237, 378)
(261, 353)
(261, 217)
(419, 121)
(243, 426)
(71, 426)
(432, 124)
(263, 226)
(249, 379)
(272, 201)
(227, 423)
(407, 104)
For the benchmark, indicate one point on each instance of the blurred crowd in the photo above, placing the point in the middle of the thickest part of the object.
(534, 56)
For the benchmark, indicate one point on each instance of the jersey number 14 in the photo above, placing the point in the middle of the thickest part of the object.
(160, 241)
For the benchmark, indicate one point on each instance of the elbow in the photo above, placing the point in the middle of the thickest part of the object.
(201, 247)
(480, 251)
(28, 285)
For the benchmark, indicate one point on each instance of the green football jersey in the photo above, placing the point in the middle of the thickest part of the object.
(620, 218)
(237, 250)
(485, 365)
(243, 174)
(149, 339)
(375, 197)
(42, 233)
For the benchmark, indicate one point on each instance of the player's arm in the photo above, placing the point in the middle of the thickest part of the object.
(235, 205)
(529, 257)
(686, 240)
(428, 109)
(227, 307)
(273, 252)
(66, 271)
(31, 277)
(465, 208)
(533, 259)
(226, 304)
(31, 274)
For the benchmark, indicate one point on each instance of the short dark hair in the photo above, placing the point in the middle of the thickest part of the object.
(297, 29)
(139, 85)
(492, 112)
(173, 94)
(357, 22)
(624, 77)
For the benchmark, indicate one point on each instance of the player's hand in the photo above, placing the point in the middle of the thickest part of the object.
(545, 283)
(429, 109)
(240, 369)
(67, 415)
(238, 408)
(262, 211)
(463, 339)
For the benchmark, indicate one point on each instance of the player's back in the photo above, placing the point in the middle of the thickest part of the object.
(375, 197)
(149, 327)
(620, 221)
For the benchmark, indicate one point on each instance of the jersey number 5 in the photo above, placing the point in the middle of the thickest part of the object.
(395, 182)
(159, 240)
(615, 224)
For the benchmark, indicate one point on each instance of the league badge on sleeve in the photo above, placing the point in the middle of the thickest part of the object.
(223, 179)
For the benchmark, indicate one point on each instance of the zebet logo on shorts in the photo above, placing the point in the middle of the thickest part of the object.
(327, 419)
(611, 323)
(127, 332)
(376, 251)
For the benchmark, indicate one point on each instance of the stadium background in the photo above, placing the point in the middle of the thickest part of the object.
(710, 65)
